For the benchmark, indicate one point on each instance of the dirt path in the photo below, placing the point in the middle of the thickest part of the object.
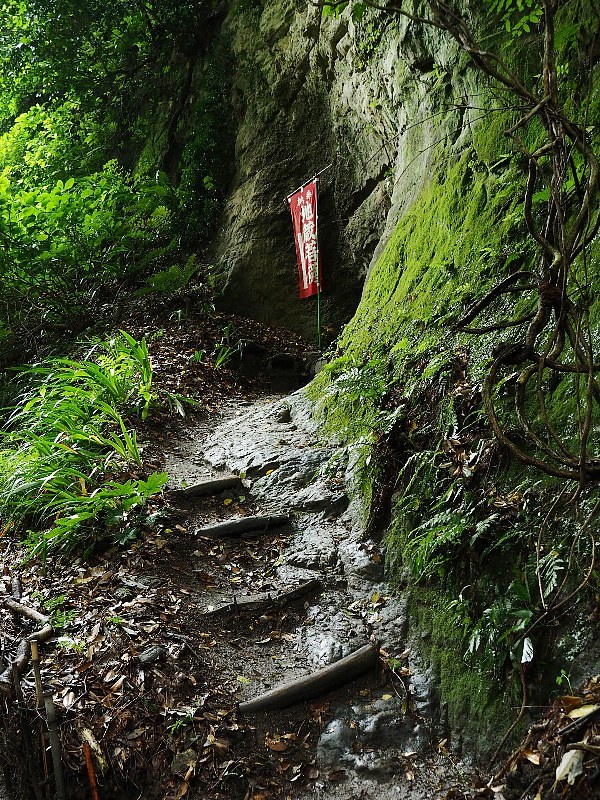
(149, 671)
(372, 739)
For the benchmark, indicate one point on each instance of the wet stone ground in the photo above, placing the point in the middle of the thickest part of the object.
(380, 737)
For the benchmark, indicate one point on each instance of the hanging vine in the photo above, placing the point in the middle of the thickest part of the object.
(552, 342)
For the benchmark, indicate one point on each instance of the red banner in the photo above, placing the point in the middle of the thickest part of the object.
(303, 205)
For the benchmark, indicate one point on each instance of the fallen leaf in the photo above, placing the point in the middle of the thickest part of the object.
(276, 744)
(571, 766)
(531, 756)
(117, 684)
(583, 711)
(183, 762)
(569, 702)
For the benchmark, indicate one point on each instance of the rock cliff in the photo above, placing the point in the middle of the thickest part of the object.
(373, 98)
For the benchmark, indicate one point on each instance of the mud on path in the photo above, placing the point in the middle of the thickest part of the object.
(150, 672)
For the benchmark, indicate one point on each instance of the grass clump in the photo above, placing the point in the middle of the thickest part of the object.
(65, 466)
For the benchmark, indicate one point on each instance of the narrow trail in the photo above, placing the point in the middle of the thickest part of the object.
(166, 636)
(374, 738)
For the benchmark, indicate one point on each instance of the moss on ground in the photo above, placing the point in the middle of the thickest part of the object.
(472, 701)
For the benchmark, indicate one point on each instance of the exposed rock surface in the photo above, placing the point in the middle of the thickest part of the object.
(309, 92)
(285, 466)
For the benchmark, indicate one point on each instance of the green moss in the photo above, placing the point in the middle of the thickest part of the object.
(475, 704)
(490, 141)
(347, 394)
(444, 252)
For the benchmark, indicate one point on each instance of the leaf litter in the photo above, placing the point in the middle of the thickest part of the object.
(134, 670)
(152, 687)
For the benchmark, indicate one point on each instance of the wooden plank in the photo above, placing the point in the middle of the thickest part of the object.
(265, 600)
(243, 525)
(320, 682)
(205, 488)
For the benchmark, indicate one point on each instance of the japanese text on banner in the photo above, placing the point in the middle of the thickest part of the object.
(303, 205)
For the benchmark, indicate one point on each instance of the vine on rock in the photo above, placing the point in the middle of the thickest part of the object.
(555, 340)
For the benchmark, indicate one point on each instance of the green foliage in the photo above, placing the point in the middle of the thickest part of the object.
(63, 242)
(67, 443)
(80, 220)
(518, 16)
(223, 355)
(564, 678)
(496, 637)
(347, 394)
(173, 279)
(358, 9)
(208, 154)
(59, 617)
(126, 371)
(368, 32)
(111, 44)
(69, 645)
(477, 705)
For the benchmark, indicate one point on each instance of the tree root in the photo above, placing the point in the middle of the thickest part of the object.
(23, 653)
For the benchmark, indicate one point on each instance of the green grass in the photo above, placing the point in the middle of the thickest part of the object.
(68, 451)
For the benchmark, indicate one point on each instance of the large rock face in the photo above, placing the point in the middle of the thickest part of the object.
(309, 92)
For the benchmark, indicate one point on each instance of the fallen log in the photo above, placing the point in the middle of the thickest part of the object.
(30, 613)
(324, 680)
(204, 488)
(23, 653)
(243, 526)
(259, 603)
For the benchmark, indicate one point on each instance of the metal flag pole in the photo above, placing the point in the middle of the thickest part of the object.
(320, 172)
(319, 327)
